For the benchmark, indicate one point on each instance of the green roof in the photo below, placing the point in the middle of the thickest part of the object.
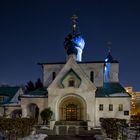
(109, 89)
(9, 92)
(41, 91)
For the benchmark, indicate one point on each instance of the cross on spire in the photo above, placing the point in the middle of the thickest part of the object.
(74, 17)
(74, 23)
(109, 45)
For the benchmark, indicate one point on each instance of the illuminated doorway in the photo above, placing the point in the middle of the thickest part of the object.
(71, 112)
(72, 108)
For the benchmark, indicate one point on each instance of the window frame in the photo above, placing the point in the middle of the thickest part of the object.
(101, 107)
(126, 112)
(120, 107)
(110, 107)
(53, 75)
(92, 76)
(71, 82)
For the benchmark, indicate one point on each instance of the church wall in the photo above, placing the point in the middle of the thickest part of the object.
(111, 72)
(85, 92)
(97, 69)
(9, 109)
(56, 95)
(48, 70)
(40, 102)
(125, 101)
(114, 72)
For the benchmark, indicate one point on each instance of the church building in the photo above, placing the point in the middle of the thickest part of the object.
(76, 90)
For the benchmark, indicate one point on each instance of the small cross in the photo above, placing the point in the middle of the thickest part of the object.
(74, 17)
(109, 45)
(74, 24)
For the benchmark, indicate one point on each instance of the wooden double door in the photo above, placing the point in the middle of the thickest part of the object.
(71, 112)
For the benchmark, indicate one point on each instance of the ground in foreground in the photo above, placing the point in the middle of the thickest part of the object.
(70, 138)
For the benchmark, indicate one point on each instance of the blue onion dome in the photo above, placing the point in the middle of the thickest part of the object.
(70, 45)
(74, 40)
(79, 41)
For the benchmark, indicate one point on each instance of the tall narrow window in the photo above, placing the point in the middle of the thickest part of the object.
(92, 76)
(120, 107)
(101, 107)
(110, 107)
(71, 82)
(53, 75)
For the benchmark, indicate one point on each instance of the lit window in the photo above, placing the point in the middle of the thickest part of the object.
(101, 107)
(126, 112)
(71, 82)
(110, 107)
(53, 75)
(120, 108)
(92, 76)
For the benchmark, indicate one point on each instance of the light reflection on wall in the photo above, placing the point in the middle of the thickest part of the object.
(79, 45)
(107, 68)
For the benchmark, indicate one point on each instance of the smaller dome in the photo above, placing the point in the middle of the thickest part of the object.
(109, 58)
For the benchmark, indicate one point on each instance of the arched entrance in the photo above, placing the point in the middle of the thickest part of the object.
(72, 108)
(33, 111)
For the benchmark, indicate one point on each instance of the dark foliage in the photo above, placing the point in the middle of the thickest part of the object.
(111, 126)
(30, 86)
(33, 86)
(19, 127)
(38, 84)
(135, 119)
(46, 115)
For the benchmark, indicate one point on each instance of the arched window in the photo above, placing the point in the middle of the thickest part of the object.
(92, 76)
(53, 75)
(71, 82)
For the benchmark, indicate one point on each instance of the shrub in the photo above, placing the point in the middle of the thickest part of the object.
(111, 126)
(46, 115)
(21, 126)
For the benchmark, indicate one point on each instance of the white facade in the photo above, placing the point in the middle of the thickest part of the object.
(115, 113)
(84, 94)
(77, 91)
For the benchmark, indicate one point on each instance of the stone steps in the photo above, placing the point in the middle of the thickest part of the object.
(70, 130)
(78, 123)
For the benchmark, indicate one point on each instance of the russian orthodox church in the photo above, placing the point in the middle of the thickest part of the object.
(76, 90)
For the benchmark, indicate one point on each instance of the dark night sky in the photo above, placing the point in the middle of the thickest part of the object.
(33, 31)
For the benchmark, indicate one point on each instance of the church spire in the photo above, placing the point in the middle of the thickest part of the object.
(109, 58)
(74, 43)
